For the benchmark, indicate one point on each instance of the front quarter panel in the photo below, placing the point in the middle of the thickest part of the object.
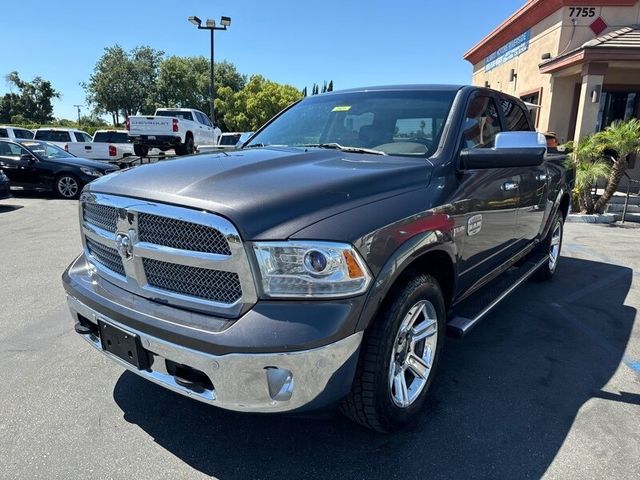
(390, 235)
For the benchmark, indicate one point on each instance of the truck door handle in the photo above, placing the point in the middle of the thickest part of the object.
(508, 186)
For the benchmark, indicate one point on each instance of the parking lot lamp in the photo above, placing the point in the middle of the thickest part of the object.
(212, 27)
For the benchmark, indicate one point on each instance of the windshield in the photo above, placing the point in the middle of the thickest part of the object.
(110, 137)
(46, 151)
(174, 113)
(390, 122)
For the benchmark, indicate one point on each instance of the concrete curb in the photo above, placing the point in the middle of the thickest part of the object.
(606, 218)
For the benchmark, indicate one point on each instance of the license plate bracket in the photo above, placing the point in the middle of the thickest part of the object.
(123, 345)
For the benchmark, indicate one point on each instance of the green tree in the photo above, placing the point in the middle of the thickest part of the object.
(124, 83)
(330, 86)
(619, 140)
(184, 81)
(584, 157)
(32, 103)
(255, 104)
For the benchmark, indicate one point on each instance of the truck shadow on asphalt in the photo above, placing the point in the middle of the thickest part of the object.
(500, 407)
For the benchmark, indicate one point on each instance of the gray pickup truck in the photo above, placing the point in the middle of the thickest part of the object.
(324, 261)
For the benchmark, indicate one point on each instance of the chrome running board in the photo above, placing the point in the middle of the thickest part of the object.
(473, 309)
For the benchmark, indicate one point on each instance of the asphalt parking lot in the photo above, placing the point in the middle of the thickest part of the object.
(549, 385)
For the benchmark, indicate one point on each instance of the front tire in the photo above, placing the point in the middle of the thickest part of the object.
(399, 357)
(67, 186)
(552, 245)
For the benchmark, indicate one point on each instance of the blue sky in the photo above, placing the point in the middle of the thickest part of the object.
(353, 42)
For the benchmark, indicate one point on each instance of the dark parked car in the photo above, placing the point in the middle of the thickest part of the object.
(324, 261)
(38, 165)
(5, 192)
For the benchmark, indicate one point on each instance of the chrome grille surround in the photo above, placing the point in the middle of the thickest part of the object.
(179, 273)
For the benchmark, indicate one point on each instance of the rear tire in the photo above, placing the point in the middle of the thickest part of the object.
(67, 186)
(140, 150)
(552, 245)
(399, 357)
(186, 148)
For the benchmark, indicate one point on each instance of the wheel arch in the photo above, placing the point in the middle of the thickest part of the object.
(436, 259)
(565, 203)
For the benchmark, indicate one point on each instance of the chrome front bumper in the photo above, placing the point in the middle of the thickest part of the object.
(248, 382)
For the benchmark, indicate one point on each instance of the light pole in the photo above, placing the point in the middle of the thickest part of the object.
(211, 26)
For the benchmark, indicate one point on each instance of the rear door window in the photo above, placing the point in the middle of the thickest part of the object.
(82, 137)
(4, 133)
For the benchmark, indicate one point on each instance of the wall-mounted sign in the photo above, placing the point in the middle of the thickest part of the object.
(511, 50)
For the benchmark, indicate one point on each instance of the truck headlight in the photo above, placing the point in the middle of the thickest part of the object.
(91, 172)
(310, 269)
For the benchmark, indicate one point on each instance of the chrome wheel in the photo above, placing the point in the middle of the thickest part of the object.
(413, 353)
(554, 248)
(68, 187)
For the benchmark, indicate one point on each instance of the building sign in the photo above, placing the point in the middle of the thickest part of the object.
(511, 50)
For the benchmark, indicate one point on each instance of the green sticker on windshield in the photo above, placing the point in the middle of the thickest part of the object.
(341, 108)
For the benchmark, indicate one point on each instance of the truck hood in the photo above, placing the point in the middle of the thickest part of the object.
(271, 193)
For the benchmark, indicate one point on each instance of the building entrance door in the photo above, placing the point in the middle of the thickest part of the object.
(616, 106)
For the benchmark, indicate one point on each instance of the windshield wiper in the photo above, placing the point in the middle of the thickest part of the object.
(342, 148)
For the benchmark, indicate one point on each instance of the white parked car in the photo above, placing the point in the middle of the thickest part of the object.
(182, 129)
(62, 137)
(106, 145)
(7, 131)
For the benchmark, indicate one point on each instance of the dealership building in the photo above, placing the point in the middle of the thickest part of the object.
(577, 61)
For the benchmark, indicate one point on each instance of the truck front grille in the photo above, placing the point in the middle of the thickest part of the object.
(101, 216)
(180, 234)
(175, 255)
(215, 285)
(106, 256)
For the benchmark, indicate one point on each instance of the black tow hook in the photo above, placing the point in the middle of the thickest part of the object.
(82, 329)
(190, 384)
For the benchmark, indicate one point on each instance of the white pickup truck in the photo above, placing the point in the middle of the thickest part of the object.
(106, 145)
(182, 129)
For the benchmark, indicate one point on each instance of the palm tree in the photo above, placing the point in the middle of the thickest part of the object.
(585, 159)
(623, 138)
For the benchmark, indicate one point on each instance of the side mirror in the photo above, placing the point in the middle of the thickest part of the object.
(512, 149)
(25, 157)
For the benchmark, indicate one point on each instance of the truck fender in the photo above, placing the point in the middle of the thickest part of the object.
(408, 253)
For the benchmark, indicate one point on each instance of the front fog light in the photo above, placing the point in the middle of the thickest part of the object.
(310, 269)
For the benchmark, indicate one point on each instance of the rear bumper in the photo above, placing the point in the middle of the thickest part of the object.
(264, 361)
(156, 140)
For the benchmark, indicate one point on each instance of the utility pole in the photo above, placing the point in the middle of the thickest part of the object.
(78, 107)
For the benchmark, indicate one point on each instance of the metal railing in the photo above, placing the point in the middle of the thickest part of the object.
(630, 181)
